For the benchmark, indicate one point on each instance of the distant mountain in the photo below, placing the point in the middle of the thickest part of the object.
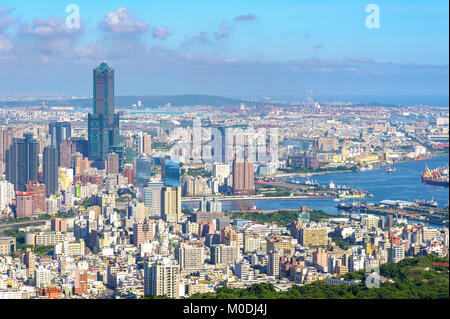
(147, 101)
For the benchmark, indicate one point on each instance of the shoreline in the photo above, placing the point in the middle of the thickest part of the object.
(352, 171)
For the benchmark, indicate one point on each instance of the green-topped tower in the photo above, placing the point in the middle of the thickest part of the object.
(103, 123)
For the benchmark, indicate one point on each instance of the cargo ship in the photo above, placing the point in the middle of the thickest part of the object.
(346, 207)
(430, 203)
(438, 176)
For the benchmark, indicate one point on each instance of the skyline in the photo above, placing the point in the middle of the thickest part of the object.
(231, 49)
(331, 200)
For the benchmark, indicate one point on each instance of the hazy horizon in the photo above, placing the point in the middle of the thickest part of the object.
(235, 49)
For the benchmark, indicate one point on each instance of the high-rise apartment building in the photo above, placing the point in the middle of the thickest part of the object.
(37, 191)
(24, 205)
(143, 232)
(128, 172)
(320, 259)
(243, 177)
(7, 194)
(221, 172)
(211, 205)
(396, 253)
(224, 255)
(112, 163)
(229, 236)
(190, 257)
(171, 204)
(42, 277)
(152, 198)
(313, 236)
(162, 279)
(58, 225)
(67, 149)
(81, 282)
(273, 263)
(282, 244)
(30, 261)
(7, 246)
(81, 165)
(147, 144)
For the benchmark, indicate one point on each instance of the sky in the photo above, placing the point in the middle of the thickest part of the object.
(277, 48)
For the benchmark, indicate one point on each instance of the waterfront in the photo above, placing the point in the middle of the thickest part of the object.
(405, 184)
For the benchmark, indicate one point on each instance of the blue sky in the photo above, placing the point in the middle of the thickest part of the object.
(233, 48)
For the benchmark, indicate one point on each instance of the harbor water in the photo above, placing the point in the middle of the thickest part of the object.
(405, 184)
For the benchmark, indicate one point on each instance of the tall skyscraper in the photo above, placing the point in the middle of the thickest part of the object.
(59, 131)
(103, 126)
(50, 170)
(243, 178)
(22, 162)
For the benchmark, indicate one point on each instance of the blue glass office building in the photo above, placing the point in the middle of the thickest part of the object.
(171, 173)
(143, 171)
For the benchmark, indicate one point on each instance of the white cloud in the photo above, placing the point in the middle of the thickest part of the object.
(161, 33)
(123, 21)
(49, 28)
(5, 18)
(5, 44)
(92, 50)
(224, 32)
